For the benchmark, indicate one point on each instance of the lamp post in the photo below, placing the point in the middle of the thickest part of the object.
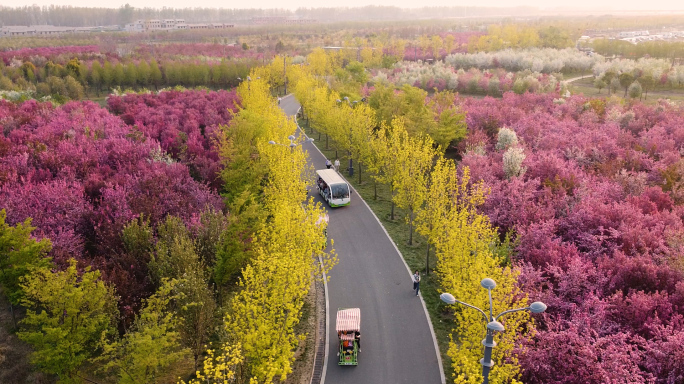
(493, 325)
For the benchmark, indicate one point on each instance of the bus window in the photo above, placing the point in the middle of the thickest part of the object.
(340, 191)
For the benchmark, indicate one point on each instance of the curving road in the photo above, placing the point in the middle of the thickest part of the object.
(397, 341)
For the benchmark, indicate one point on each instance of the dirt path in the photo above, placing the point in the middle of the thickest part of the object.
(570, 80)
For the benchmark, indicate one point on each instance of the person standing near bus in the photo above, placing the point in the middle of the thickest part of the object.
(337, 165)
(328, 164)
(416, 282)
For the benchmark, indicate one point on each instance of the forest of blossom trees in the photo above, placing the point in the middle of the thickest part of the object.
(137, 204)
(82, 174)
(599, 221)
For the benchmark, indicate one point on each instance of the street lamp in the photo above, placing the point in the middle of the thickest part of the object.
(493, 325)
(292, 144)
(249, 82)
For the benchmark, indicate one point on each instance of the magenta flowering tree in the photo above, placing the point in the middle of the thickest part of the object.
(185, 124)
(83, 174)
(598, 224)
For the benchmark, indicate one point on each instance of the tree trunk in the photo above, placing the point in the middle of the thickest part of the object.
(326, 141)
(14, 319)
(392, 212)
(358, 163)
(410, 229)
(375, 190)
(427, 260)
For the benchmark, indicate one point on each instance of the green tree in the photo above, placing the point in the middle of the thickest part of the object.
(554, 37)
(107, 75)
(151, 352)
(451, 125)
(418, 117)
(95, 76)
(235, 250)
(118, 75)
(647, 81)
(599, 83)
(74, 89)
(626, 79)
(635, 90)
(18, 254)
(174, 253)
(143, 74)
(138, 238)
(131, 75)
(57, 86)
(68, 316)
(155, 74)
(195, 307)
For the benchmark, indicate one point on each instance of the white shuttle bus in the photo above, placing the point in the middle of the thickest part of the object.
(335, 191)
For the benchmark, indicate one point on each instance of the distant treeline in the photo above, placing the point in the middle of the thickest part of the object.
(658, 49)
(73, 80)
(81, 16)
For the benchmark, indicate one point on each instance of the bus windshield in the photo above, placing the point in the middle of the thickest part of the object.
(340, 191)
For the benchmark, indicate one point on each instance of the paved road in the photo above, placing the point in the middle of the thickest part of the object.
(397, 345)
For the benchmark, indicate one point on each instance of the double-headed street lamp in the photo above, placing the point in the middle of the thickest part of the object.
(493, 325)
(293, 142)
(249, 82)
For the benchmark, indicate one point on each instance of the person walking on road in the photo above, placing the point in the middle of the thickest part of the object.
(337, 165)
(328, 164)
(416, 282)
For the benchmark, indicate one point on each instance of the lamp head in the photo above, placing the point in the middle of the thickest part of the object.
(495, 326)
(537, 307)
(448, 298)
(345, 98)
(249, 78)
(488, 283)
(291, 137)
(338, 100)
(272, 142)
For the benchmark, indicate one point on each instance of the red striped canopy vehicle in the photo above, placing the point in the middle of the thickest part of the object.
(348, 329)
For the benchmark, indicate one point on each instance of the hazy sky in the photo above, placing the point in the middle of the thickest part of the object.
(293, 4)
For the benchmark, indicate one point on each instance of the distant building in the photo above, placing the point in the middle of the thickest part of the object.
(632, 34)
(43, 30)
(170, 25)
(280, 20)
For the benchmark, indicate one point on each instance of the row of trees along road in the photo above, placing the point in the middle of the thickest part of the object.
(441, 203)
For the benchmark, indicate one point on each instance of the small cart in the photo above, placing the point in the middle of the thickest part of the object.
(348, 329)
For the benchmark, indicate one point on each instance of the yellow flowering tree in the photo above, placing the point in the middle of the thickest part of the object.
(464, 244)
(260, 339)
